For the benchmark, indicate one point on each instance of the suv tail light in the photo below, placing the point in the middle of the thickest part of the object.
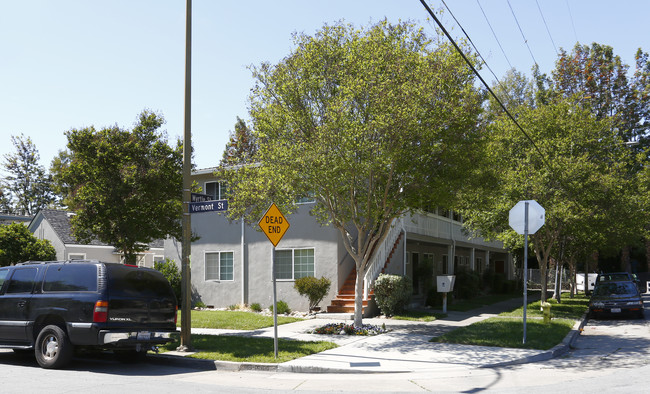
(100, 313)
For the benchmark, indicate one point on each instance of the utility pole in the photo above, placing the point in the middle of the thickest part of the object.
(186, 283)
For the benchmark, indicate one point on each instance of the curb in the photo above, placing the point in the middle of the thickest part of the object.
(556, 351)
(210, 365)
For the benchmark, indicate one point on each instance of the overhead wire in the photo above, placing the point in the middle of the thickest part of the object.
(494, 34)
(471, 42)
(471, 66)
(546, 25)
(522, 32)
(571, 18)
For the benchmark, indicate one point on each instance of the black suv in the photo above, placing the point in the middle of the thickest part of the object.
(53, 307)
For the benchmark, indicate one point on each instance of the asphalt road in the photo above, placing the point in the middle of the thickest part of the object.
(610, 356)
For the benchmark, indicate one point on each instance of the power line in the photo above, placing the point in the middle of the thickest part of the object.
(494, 34)
(572, 24)
(522, 32)
(471, 42)
(471, 66)
(547, 29)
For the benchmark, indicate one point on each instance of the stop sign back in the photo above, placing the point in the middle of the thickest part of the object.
(536, 216)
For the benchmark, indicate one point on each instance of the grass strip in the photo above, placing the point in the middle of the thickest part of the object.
(569, 308)
(234, 320)
(248, 349)
(419, 316)
(508, 332)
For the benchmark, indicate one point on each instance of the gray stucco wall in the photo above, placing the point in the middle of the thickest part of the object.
(252, 279)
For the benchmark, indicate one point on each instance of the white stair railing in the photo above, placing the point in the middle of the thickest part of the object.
(382, 253)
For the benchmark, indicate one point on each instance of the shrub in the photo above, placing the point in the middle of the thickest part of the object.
(170, 271)
(283, 308)
(314, 289)
(467, 284)
(256, 307)
(392, 293)
(199, 305)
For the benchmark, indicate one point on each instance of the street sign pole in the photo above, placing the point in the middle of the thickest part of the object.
(529, 225)
(274, 225)
(275, 310)
(525, 266)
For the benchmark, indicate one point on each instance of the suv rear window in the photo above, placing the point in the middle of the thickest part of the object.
(70, 277)
(125, 281)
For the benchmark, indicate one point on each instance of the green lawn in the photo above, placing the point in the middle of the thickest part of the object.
(234, 320)
(569, 308)
(507, 329)
(474, 303)
(419, 316)
(248, 349)
(508, 332)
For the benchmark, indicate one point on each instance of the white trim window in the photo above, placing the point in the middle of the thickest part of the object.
(291, 264)
(217, 190)
(76, 256)
(219, 266)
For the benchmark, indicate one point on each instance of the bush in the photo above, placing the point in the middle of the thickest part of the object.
(392, 293)
(467, 284)
(283, 308)
(314, 289)
(256, 307)
(170, 271)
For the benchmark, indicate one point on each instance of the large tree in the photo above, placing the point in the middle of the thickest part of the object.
(576, 168)
(241, 147)
(124, 185)
(27, 186)
(371, 122)
(17, 245)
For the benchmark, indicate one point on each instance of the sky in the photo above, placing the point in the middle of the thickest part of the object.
(70, 64)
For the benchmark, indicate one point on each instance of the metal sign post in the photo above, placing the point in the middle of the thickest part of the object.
(274, 225)
(526, 217)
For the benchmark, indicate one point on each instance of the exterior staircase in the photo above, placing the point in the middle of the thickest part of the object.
(344, 300)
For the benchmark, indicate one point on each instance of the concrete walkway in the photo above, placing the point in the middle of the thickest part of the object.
(405, 348)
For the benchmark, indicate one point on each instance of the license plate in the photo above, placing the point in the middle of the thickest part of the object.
(146, 335)
(616, 310)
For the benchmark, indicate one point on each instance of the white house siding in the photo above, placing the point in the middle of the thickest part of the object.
(43, 230)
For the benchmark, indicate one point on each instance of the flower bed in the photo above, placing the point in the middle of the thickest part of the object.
(349, 329)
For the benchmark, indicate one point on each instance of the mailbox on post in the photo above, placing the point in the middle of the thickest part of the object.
(445, 285)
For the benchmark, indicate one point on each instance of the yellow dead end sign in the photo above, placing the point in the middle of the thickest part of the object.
(274, 224)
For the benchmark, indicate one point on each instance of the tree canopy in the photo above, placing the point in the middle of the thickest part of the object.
(125, 186)
(27, 186)
(371, 122)
(17, 245)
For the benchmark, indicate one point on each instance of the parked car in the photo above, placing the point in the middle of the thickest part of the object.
(616, 298)
(52, 307)
(615, 276)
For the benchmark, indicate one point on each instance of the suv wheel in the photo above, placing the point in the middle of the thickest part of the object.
(53, 348)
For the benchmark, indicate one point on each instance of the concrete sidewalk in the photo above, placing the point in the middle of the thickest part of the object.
(405, 348)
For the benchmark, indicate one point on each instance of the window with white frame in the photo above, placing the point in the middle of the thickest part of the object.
(294, 263)
(219, 266)
(217, 190)
(76, 256)
(158, 259)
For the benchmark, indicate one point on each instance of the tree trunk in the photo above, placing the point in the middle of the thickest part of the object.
(358, 298)
(647, 253)
(625, 258)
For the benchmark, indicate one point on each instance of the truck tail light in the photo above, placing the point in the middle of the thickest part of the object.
(100, 313)
(176, 315)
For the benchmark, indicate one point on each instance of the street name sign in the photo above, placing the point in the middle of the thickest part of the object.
(274, 224)
(198, 197)
(209, 206)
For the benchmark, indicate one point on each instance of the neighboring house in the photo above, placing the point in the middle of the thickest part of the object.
(54, 226)
(231, 262)
(6, 218)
